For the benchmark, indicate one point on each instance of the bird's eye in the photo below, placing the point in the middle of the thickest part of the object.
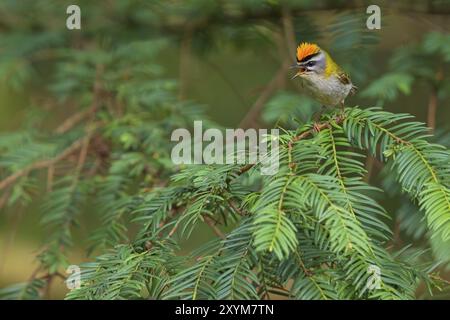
(310, 64)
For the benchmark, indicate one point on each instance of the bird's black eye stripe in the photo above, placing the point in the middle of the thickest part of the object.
(308, 57)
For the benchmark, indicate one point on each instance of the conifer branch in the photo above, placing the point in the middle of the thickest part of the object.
(42, 164)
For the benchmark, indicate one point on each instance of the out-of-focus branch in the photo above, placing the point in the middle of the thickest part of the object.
(67, 125)
(76, 118)
(177, 26)
(72, 121)
(185, 60)
(50, 175)
(397, 237)
(432, 107)
(82, 157)
(278, 81)
(253, 114)
(372, 164)
(227, 81)
(433, 101)
(41, 164)
(289, 33)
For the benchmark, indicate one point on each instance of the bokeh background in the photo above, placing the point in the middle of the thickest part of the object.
(230, 57)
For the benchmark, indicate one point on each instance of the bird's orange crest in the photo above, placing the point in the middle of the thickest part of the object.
(306, 49)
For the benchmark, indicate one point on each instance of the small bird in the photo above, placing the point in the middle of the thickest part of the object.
(321, 77)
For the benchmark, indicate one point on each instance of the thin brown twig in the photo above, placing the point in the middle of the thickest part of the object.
(235, 209)
(396, 237)
(82, 156)
(433, 101)
(213, 226)
(370, 161)
(73, 120)
(432, 108)
(305, 270)
(245, 168)
(174, 229)
(50, 175)
(76, 118)
(34, 273)
(41, 164)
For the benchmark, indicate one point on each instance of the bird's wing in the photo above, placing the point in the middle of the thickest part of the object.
(345, 79)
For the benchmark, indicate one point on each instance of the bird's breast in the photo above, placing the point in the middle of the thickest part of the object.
(329, 91)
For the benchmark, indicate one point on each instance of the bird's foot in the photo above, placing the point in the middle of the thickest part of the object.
(316, 127)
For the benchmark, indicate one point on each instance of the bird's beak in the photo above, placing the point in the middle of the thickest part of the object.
(301, 69)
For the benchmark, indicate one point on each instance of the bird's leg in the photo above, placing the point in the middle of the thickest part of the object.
(342, 107)
(316, 127)
(318, 114)
(316, 118)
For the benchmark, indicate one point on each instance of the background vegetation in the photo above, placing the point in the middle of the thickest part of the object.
(86, 176)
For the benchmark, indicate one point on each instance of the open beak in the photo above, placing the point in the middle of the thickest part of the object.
(301, 69)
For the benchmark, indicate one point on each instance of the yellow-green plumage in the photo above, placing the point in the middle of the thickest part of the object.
(331, 66)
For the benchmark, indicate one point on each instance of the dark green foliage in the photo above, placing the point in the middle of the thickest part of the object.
(23, 291)
(315, 215)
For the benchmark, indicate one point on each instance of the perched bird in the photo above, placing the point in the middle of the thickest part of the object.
(321, 78)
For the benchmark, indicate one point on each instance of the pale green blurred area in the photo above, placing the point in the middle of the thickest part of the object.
(209, 84)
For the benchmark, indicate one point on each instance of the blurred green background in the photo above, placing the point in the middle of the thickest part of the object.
(231, 59)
